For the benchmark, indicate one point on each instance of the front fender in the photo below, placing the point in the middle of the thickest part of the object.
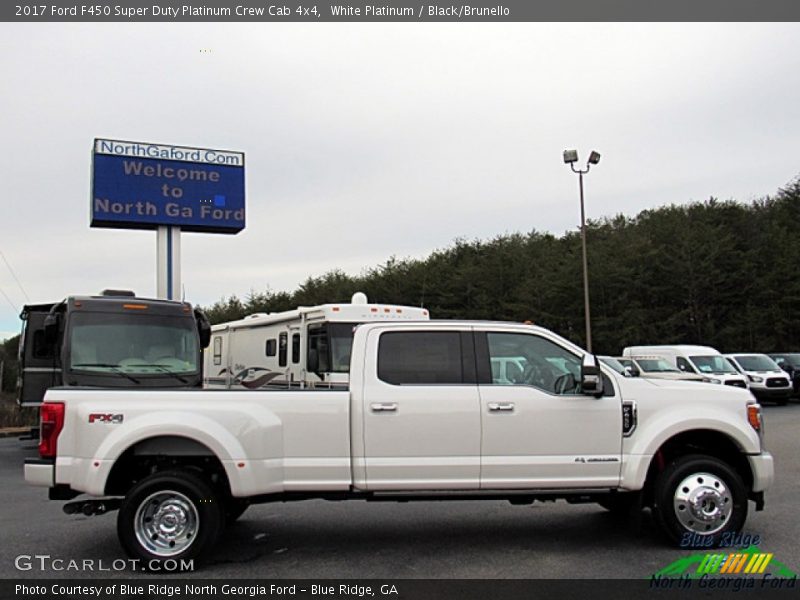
(655, 429)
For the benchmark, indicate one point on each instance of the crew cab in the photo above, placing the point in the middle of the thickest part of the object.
(425, 417)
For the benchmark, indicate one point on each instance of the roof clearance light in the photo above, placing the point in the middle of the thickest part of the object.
(335, 309)
(373, 309)
(135, 306)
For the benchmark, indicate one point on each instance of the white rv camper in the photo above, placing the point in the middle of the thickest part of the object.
(306, 347)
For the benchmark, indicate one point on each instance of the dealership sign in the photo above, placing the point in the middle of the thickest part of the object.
(141, 186)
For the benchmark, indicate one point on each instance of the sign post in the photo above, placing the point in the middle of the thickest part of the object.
(168, 262)
(137, 185)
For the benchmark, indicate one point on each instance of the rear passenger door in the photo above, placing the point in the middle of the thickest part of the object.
(421, 413)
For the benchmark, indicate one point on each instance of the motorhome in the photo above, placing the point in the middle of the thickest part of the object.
(308, 347)
(111, 340)
(699, 360)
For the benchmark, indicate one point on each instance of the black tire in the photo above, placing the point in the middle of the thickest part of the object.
(171, 515)
(234, 508)
(698, 499)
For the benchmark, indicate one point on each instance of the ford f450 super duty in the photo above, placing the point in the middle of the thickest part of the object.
(428, 415)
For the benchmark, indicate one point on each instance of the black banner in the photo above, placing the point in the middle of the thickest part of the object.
(311, 11)
(147, 588)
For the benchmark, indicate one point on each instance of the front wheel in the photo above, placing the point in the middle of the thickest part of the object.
(169, 515)
(698, 499)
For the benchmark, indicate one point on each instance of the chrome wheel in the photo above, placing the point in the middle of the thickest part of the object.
(703, 503)
(166, 523)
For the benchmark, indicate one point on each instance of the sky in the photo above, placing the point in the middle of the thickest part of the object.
(365, 141)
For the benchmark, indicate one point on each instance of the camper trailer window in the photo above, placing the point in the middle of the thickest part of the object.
(283, 342)
(295, 348)
(318, 340)
(271, 347)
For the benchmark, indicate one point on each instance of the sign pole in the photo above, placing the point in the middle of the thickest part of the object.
(168, 262)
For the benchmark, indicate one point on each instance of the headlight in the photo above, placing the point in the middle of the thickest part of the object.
(755, 379)
(711, 380)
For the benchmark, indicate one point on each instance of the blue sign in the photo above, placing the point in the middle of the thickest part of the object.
(141, 186)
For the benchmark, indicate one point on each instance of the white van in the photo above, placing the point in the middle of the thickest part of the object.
(701, 360)
(767, 381)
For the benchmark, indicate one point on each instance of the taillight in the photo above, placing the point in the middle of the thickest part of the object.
(51, 421)
(754, 416)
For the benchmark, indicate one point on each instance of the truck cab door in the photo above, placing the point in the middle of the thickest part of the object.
(538, 430)
(421, 413)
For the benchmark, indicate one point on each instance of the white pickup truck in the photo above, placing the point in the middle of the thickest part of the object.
(424, 418)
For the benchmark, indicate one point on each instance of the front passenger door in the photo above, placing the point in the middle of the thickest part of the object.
(539, 430)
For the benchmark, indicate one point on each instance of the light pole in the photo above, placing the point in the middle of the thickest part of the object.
(570, 158)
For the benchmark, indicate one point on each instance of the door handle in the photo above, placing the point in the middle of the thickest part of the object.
(501, 406)
(384, 407)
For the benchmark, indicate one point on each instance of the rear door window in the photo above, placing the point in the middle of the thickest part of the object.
(420, 357)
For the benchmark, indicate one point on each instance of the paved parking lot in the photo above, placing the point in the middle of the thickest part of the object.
(318, 539)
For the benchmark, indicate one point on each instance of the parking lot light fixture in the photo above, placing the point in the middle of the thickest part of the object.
(570, 158)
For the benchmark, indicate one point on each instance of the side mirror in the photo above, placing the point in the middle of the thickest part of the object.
(313, 360)
(591, 376)
(203, 328)
(51, 329)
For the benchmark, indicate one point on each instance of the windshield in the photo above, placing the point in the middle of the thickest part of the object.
(133, 343)
(757, 362)
(333, 343)
(712, 364)
(655, 365)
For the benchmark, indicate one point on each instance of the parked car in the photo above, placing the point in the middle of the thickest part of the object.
(616, 365)
(630, 365)
(789, 362)
(699, 360)
(766, 379)
(508, 369)
(655, 367)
